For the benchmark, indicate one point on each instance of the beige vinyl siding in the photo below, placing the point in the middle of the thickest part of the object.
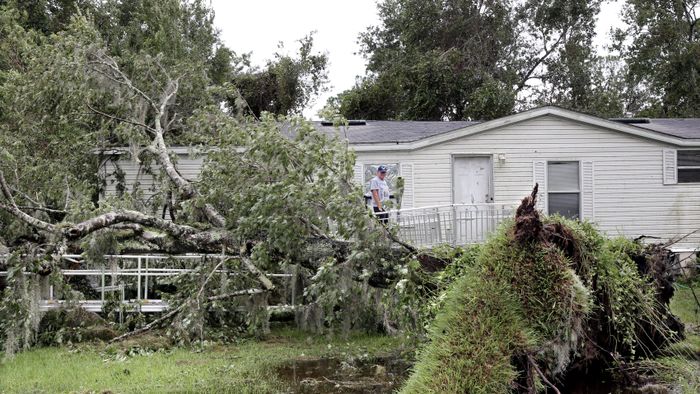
(629, 194)
(136, 173)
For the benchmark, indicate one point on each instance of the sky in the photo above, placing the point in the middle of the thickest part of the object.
(258, 26)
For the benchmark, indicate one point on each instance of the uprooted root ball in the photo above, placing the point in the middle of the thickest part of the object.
(540, 298)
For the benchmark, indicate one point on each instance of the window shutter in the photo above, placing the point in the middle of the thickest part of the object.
(670, 172)
(587, 190)
(539, 176)
(359, 175)
(408, 187)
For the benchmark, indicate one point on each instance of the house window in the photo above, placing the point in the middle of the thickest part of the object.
(563, 188)
(688, 164)
(370, 170)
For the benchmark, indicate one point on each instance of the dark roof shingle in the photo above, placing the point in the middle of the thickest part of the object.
(685, 128)
(388, 131)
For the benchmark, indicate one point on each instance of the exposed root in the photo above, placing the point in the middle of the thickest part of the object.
(534, 366)
(528, 226)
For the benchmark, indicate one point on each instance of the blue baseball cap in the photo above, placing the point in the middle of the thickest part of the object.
(381, 168)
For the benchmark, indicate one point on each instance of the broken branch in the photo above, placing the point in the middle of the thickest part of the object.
(267, 283)
(119, 119)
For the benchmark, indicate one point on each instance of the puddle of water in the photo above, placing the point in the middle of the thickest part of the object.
(386, 374)
(331, 375)
(592, 386)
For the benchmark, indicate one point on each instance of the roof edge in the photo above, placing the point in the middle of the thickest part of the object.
(527, 115)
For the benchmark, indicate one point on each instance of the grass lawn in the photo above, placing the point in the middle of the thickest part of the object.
(682, 369)
(247, 367)
(250, 366)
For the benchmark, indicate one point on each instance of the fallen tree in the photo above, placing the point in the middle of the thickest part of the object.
(543, 297)
(273, 193)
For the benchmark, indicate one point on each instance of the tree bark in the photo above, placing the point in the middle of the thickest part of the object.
(126, 216)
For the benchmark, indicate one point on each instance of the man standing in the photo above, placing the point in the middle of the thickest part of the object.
(380, 193)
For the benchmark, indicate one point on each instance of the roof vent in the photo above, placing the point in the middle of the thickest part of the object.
(353, 122)
(631, 120)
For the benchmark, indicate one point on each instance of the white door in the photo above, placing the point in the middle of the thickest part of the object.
(471, 180)
(471, 184)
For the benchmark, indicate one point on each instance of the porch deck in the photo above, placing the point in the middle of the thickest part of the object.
(455, 224)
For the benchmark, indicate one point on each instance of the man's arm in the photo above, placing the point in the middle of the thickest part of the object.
(375, 197)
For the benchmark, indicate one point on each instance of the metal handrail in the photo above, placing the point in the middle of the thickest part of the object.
(456, 224)
(142, 272)
(429, 207)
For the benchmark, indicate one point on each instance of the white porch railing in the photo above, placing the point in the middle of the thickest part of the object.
(133, 277)
(456, 224)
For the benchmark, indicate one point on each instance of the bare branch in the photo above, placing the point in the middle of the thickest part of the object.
(168, 93)
(396, 239)
(539, 372)
(697, 301)
(150, 325)
(171, 121)
(182, 306)
(175, 237)
(118, 119)
(6, 190)
(158, 148)
(201, 289)
(43, 209)
(214, 216)
(266, 282)
(25, 195)
(120, 77)
(13, 209)
(236, 294)
(547, 51)
(68, 195)
(676, 240)
(175, 311)
(185, 188)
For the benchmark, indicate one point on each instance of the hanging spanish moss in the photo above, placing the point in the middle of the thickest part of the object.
(19, 307)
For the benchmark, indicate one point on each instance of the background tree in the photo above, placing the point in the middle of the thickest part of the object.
(662, 49)
(559, 59)
(48, 16)
(286, 85)
(459, 59)
(431, 59)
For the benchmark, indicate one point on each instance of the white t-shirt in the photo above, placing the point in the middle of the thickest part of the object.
(383, 190)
